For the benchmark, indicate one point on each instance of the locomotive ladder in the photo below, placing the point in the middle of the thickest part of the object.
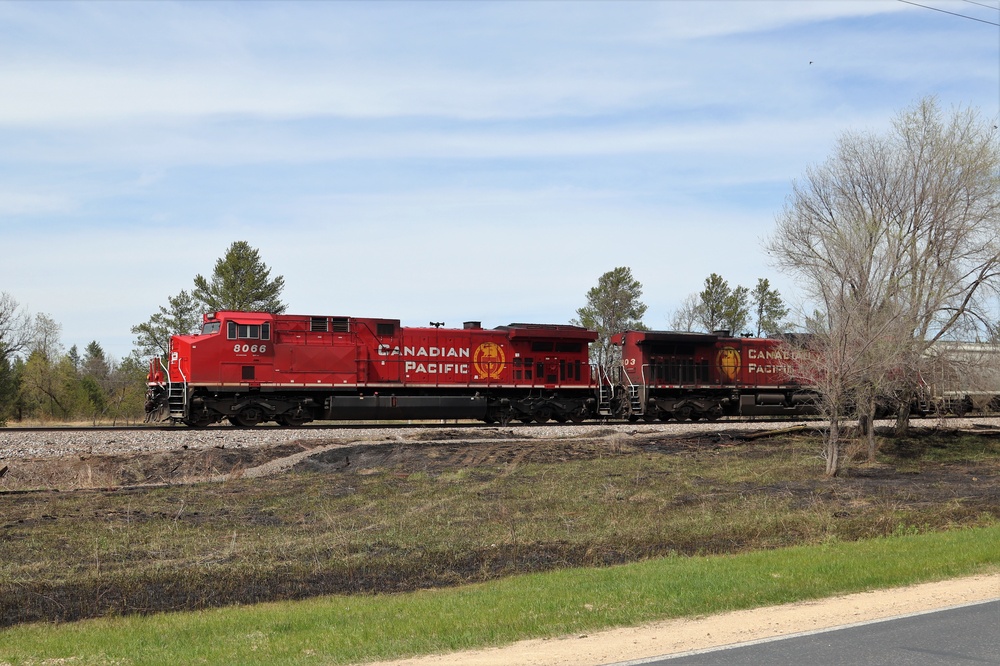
(635, 395)
(177, 395)
(604, 399)
(605, 391)
(635, 400)
(177, 399)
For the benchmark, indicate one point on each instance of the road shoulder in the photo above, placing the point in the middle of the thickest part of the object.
(683, 635)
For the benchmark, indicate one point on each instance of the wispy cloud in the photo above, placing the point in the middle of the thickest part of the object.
(481, 160)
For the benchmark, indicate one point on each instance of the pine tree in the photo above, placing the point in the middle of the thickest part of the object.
(612, 306)
(240, 281)
(721, 307)
(768, 308)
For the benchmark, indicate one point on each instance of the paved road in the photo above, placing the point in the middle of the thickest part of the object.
(954, 637)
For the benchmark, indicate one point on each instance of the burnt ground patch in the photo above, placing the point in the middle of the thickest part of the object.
(392, 516)
(181, 465)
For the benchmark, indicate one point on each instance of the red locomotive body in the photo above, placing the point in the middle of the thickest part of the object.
(250, 367)
(695, 375)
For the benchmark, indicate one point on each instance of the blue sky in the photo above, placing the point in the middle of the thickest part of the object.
(443, 160)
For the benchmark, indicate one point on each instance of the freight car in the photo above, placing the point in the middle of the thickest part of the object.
(959, 378)
(250, 367)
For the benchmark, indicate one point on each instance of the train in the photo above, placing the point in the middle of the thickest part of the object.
(254, 367)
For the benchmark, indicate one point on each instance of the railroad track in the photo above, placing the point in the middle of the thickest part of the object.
(388, 425)
(373, 424)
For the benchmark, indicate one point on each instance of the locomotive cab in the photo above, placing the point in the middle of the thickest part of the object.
(233, 348)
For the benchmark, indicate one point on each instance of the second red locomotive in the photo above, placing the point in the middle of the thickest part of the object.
(695, 376)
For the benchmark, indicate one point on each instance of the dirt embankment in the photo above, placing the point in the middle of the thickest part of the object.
(227, 453)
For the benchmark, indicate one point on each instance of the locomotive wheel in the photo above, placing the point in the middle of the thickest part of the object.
(248, 418)
(198, 420)
(577, 417)
(665, 416)
(291, 421)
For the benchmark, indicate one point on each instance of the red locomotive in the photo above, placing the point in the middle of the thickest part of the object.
(249, 367)
(696, 375)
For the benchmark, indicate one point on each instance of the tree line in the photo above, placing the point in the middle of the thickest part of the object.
(615, 305)
(40, 380)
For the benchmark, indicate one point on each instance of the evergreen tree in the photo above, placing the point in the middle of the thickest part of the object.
(768, 308)
(240, 281)
(612, 306)
(74, 357)
(721, 307)
(94, 363)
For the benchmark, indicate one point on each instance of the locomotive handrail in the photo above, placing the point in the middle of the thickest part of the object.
(635, 400)
(180, 371)
(183, 382)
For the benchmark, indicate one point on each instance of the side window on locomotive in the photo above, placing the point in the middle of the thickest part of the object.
(236, 331)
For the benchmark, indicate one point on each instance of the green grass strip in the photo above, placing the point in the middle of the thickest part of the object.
(355, 629)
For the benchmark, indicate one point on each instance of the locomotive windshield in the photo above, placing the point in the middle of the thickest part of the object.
(211, 327)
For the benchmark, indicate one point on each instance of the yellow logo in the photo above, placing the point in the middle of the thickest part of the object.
(489, 360)
(729, 363)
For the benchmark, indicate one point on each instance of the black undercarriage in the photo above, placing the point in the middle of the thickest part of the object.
(203, 406)
(200, 407)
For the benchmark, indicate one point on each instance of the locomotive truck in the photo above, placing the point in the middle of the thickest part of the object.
(252, 367)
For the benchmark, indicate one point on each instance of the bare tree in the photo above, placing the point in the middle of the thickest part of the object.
(685, 318)
(15, 327)
(47, 373)
(896, 238)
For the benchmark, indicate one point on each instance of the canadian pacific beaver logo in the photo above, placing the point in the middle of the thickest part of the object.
(729, 363)
(489, 360)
